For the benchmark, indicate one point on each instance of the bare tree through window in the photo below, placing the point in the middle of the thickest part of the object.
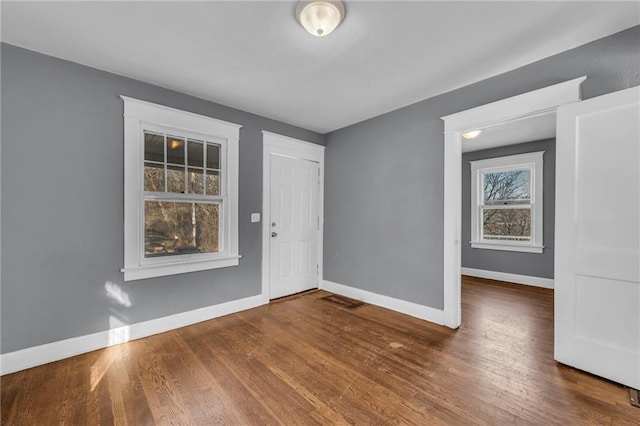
(506, 212)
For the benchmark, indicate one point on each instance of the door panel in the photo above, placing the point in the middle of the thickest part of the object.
(597, 277)
(294, 225)
(618, 298)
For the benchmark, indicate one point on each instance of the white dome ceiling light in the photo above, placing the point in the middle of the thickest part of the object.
(471, 134)
(320, 17)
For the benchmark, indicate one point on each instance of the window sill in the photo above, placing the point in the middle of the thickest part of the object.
(507, 247)
(160, 270)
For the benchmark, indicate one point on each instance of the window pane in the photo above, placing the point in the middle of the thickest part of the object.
(213, 182)
(195, 179)
(175, 179)
(507, 187)
(175, 228)
(506, 224)
(175, 150)
(153, 147)
(153, 177)
(213, 156)
(195, 155)
(208, 231)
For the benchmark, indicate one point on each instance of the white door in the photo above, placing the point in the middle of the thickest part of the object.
(294, 227)
(597, 261)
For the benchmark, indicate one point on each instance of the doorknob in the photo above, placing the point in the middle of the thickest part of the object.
(274, 234)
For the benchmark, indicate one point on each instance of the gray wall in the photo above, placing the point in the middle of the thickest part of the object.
(531, 264)
(384, 176)
(62, 203)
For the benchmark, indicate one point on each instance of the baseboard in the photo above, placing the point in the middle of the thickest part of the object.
(423, 312)
(511, 278)
(37, 355)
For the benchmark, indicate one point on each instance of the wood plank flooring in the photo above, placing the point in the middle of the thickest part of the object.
(302, 361)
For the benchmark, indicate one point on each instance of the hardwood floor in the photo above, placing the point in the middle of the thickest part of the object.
(305, 361)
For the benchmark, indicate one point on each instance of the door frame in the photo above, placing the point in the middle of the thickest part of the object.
(537, 102)
(273, 143)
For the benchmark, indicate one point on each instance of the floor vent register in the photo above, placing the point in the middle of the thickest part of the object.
(345, 302)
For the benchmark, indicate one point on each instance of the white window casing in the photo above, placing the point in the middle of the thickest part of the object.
(141, 116)
(529, 161)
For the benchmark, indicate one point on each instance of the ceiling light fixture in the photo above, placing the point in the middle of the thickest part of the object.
(320, 17)
(471, 134)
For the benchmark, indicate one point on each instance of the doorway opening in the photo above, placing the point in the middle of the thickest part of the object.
(508, 202)
(506, 112)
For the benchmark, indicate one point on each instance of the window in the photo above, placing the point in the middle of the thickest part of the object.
(181, 191)
(506, 203)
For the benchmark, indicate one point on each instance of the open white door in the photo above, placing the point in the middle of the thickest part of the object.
(597, 261)
(295, 225)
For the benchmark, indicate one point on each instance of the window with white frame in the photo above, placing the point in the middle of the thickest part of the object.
(506, 203)
(181, 191)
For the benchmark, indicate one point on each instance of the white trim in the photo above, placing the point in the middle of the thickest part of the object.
(423, 312)
(311, 150)
(509, 278)
(156, 270)
(54, 351)
(188, 121)
(516, 107)
(140, 115)
(507, 246)
(509, 161)
(527, 104)
(284, 145)
(533, 161)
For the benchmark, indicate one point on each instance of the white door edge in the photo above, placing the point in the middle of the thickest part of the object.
(274, 143)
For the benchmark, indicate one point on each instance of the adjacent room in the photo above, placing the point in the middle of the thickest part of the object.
(320, 212)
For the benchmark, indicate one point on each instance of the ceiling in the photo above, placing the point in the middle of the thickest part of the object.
(527, 129)
(254, 56)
